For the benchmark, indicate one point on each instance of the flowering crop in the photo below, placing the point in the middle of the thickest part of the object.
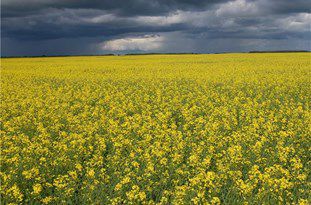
(156, 129)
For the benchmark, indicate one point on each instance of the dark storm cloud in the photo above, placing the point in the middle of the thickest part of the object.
(285, 6)
(12, 8)
(36, 27)
(70, 23)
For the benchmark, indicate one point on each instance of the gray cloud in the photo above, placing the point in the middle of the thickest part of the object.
(83, 27)
(12, 8)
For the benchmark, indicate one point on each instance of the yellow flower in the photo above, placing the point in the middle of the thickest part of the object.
(37, 188)
(215, 200)
(91, 173)
(15, 192)
(79, 167)
(135, 164)
(47, 200)
(118, 187)
(30, 174)
(142, 195)
(163, 161)
(303, 202)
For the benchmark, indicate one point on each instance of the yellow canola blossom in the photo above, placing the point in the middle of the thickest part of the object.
(156, 129)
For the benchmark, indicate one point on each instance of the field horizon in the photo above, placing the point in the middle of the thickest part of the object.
(147, 53)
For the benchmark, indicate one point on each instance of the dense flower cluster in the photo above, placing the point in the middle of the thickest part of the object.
(158, 129)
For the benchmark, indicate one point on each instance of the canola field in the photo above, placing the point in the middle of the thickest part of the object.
(156, 129)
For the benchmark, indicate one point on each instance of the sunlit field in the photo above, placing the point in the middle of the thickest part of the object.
(156, 129)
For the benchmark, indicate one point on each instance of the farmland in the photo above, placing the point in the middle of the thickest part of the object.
(156, 129)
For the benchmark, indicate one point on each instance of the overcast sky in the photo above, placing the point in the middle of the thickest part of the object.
(74, 27)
